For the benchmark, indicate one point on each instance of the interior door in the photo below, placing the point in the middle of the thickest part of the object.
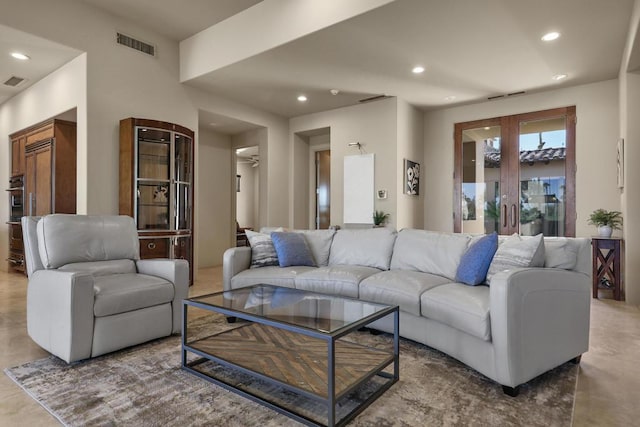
(323, 189)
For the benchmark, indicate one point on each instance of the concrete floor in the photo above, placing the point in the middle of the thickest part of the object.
(608, 382)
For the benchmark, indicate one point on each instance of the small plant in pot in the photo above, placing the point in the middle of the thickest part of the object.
(379, 218)
(606, 221)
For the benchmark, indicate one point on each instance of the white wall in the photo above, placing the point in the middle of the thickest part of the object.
(302, 166)
(119, 82)
(630, 130)
(60, 91)
(274, 152)
(410, 213)
(374, 126)
(214, 190)
(596, 139)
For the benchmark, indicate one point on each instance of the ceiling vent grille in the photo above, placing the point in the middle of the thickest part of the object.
(373, 98)
(138, 45)
(14, 81)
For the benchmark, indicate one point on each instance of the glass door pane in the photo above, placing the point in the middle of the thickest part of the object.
(154, 149)
(153, 179)
(153, 205)
(542, 149)
(183, 207)
(481, 163)
(182, 158)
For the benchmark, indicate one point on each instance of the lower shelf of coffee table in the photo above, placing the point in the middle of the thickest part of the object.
(293, 358)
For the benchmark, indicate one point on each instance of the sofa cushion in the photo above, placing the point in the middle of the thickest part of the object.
(65, 239)
(335, 279)
(319, 242)
(273, 275)
(429, 252)
(475, 262)
(516, 252)
(102, 268)
(560, 252)
(462, 307)
(263, 253)
(398, 287)
(292, 249)
(119, 293)
(371, 247)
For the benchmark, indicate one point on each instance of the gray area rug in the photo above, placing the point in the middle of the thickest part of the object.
(144, 386)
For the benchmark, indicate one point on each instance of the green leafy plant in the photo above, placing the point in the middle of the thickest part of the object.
(379, 217)
(601, 217)
(529, 215)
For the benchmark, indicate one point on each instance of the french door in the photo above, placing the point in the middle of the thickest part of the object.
(516, 174)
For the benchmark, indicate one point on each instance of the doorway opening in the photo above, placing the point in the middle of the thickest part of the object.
(247, 186)
(323, 189)
(312, 182)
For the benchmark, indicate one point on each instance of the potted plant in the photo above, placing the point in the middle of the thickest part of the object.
(606, 221)
(379, 218)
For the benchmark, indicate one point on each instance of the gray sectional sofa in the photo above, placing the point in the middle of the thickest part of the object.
(526, 322)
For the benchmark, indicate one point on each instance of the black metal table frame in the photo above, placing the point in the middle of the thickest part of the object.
(330, 338)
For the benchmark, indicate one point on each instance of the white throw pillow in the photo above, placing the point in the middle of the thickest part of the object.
(516, 252)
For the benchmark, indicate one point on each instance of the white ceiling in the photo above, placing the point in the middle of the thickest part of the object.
(471, 50)
(173, 18)
(46, 56)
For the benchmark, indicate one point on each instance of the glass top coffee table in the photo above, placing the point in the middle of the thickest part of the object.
(292, 350)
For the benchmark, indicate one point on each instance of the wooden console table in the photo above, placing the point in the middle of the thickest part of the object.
(607, 271)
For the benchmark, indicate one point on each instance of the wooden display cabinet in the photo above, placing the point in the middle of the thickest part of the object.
(156, 186)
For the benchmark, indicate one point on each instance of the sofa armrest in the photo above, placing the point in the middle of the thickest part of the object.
(175, 271)
(60, 313)
(234, 261)
(539, 320)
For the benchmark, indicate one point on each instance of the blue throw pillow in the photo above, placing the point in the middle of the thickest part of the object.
(475, 262)
(292, 249)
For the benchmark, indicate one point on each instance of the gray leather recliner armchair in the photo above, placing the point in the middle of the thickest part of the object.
(89, 293)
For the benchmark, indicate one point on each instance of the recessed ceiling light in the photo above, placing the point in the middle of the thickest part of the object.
(20, 56)
(559, 77)
(302, 98)
(418, 69)
(334, 92)
(550, 36)
(449, 98)
(487, 128)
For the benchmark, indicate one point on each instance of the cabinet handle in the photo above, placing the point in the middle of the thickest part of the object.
(31, 203)
(151, 246)
(513, 215)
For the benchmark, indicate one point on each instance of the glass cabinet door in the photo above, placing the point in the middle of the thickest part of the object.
(183, 207)
(182, 158)
(182, 169)
(153, 189)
